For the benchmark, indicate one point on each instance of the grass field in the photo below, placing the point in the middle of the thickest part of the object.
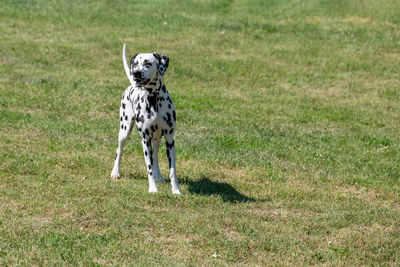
(288, 138)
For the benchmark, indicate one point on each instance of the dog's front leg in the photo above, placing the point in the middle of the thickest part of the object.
(170, 144)
(126, 123)
(148, 158)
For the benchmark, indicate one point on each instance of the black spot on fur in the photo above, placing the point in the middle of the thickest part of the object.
(123, 105)
(164, 89)
(140, 119)
(152, 100)
(147, 131)
(169, 145)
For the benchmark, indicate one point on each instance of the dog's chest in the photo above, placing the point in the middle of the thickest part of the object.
(154, 114)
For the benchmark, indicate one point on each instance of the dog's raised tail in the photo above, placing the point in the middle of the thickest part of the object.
(126, 66)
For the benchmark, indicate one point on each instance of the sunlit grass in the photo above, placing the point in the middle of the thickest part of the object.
(287, 141)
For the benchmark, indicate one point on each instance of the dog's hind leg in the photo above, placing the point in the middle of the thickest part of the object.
(157, 173)
(156, 168)
(148, 158)
(170, 144)
(125, 129)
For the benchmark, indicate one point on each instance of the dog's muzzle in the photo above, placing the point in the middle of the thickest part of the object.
(139, 78)
(138, 75)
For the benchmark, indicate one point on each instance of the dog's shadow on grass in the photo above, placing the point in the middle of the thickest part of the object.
(207, 187)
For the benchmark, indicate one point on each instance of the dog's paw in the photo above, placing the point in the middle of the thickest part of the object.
(114, 176)
(152, 189)
(152, 186)
(176, 191)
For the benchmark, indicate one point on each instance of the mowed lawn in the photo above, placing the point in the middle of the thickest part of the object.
(288, 122)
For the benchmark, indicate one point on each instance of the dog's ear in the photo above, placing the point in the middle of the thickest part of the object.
(163, 62)
(131, 62)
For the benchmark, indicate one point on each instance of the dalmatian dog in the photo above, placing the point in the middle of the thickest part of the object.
(147, 103)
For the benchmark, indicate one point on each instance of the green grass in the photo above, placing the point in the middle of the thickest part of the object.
(288, 142)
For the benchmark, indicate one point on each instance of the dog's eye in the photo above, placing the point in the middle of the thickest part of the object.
(148, 65)
(135, 63)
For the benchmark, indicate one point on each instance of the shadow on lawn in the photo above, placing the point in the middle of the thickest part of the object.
(206, 187)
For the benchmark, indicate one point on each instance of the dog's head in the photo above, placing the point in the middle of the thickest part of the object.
(148, 67)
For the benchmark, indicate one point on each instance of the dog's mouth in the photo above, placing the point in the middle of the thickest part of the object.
(141, 82)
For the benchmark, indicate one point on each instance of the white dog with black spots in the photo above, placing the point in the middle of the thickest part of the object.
(147, 103)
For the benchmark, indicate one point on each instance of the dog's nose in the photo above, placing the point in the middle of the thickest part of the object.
(138, 74)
